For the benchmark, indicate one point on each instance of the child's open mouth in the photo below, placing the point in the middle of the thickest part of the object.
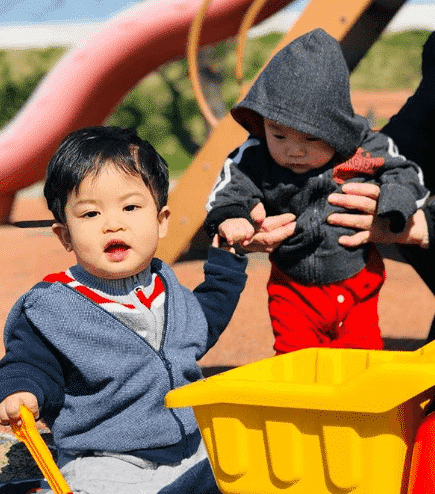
(116, 250)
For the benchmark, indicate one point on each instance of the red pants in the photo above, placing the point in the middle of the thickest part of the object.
(339, 315)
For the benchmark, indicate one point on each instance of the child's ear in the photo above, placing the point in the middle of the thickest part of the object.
(163, 218)
(62, 233)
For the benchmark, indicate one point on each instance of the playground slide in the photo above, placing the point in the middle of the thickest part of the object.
(89, 81)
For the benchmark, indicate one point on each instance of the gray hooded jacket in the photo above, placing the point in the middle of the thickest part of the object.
(306, 87)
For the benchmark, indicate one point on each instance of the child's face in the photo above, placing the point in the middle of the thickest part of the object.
(112, 224)
(295, 150)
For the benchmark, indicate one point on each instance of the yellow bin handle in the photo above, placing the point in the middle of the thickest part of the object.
(29, 435)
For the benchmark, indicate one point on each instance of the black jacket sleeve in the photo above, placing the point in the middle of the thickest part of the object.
(236, 191)
(400, 180)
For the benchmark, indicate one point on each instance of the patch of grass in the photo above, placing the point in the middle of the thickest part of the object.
(392, 63)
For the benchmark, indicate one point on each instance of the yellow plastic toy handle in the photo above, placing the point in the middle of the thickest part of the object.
(29, 435)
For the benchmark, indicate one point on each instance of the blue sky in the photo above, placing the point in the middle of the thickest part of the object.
(65, 11)
(76, 11)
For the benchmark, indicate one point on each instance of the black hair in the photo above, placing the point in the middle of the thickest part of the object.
(85, 151)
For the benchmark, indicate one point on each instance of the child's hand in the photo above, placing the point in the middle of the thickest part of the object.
(216, 242)
(236, 230)
(10, 407)
(258, 215)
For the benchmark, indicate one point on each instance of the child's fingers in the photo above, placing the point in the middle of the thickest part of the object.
(32, 404)
(4, 419)
(236, 230)
(10, 407)
(241, 236)
(215, 242)
(221, 243)
(258, 213)
(13, 409)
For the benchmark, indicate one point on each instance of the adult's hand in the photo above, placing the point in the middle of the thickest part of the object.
(364, 197)
(270, 231)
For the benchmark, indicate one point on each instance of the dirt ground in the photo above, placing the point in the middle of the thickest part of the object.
(29, 252)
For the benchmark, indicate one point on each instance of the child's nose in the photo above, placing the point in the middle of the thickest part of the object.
(113, 223)
(295, 149)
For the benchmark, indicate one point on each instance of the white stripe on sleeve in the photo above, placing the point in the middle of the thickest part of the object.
(225, 176)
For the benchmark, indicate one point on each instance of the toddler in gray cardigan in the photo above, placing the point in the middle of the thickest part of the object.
(94, 350)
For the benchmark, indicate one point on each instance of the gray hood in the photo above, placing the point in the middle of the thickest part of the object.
(306, 87)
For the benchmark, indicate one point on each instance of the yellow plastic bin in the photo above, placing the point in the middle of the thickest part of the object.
(314, 421)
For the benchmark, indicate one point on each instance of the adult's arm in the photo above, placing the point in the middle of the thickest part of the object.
(422, 259)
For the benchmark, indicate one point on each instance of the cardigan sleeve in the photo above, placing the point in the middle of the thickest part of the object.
(30, 364)
(219, 294)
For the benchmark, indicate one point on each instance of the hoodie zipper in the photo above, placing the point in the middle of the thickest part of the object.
(315, 230)
(312, 257)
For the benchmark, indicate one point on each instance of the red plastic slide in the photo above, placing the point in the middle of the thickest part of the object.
(88, 82)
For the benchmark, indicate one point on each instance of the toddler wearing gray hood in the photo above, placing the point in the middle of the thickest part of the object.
(304, 142)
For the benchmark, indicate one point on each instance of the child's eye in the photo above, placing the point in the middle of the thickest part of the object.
(312, 139)
(131, 207)
(278, 136)
(90, 214)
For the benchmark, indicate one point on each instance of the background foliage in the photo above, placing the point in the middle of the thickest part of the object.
(162, 107)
